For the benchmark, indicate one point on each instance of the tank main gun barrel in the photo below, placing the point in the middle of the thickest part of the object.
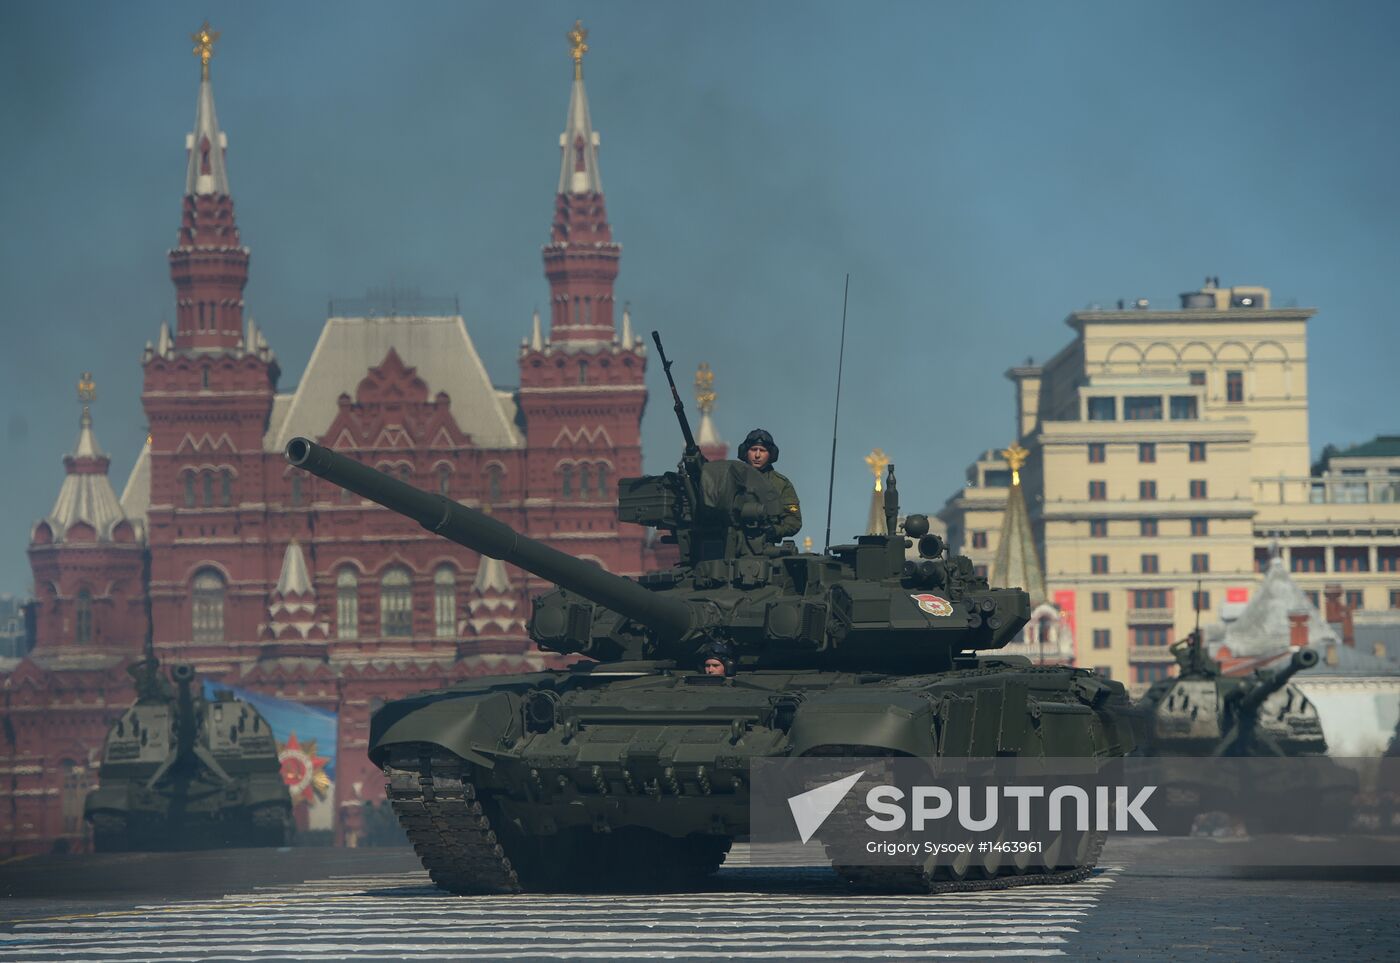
(185, 722)
(669, 618)
(1251, 701)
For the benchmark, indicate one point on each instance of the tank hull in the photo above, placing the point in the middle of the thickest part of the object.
(1203, 714)
(532, 782)
(193, 813)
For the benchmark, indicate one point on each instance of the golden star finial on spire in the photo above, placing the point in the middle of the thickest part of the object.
(877, 460)
(1015, 457)
(705, 388)
(204, 40)
(87, 393)
(578, 46)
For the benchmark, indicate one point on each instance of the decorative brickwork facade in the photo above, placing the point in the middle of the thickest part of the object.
(275, 581)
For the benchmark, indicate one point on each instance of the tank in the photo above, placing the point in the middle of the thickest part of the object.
(180, 771)
(1204, 713)
(630, 767)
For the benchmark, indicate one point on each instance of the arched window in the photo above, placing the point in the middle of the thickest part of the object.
(347, 604)
(588, 310)
(585, 478)
(189, 489)
(444, 479)
(208, 489)
(204, 373)
(603, 481)
(82, 613)
(493, 484)
(396, 603)
(405, 473)
(226, 489)
(445, 602)
(208, 606)
(566, 488)
(583, 372)
(296, 489)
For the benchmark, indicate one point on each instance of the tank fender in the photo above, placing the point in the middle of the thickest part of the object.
(899, 723)
(471, 726)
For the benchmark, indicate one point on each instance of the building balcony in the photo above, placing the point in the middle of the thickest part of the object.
(1150, 653)
(1164, 616)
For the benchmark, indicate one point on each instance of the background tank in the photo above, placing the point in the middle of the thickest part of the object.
(1204, 713)
(181, 772)
(632, 770)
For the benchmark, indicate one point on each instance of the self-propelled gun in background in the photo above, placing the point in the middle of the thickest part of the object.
(1204, 714)
(180, 771)
(632, 766)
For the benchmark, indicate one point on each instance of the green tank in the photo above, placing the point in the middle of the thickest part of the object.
(1202, 713)
(180, 771)
(631, 767)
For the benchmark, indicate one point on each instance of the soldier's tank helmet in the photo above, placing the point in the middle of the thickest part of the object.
(720, 651)
(759, 436)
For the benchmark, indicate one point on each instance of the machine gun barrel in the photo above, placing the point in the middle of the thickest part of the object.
(1254, 699)
(669, 618)
(691, 448)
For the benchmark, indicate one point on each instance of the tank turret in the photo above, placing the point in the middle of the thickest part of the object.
(1244, 704)
(180, 771)
(863, 606)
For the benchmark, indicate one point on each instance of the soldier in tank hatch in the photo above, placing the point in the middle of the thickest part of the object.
(716, 658)
(761, 451)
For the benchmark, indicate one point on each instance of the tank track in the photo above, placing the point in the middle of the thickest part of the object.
(468, 849)
(271, 826)
(109, 833)
(447, 825)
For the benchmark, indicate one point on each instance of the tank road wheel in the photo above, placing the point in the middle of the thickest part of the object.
(109, 833)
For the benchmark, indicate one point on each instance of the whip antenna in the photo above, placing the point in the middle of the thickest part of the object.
(836, 417)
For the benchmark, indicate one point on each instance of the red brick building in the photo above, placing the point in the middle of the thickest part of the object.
(273, 580)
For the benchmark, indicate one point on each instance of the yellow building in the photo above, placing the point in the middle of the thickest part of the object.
(1167, 448)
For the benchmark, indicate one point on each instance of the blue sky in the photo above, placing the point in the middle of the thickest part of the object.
(980, 169)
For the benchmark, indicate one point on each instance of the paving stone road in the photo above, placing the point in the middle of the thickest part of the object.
(340, 910)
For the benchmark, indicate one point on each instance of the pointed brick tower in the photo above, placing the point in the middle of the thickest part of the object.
(87, 558)
(582, 387)
(493, 605)
(291, 616)
(1017, 562)
(208, 393)
(1048, 637)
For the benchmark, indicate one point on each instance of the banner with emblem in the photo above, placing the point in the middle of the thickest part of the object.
(306, 742)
